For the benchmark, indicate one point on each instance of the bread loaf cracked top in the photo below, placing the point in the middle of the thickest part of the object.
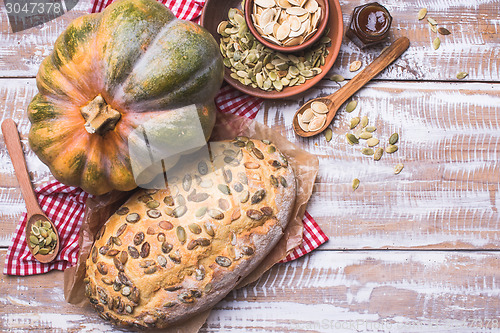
(168, 254)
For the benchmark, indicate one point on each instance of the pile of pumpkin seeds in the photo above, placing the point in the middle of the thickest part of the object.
(255, 65)
(42, 239)
(313, 118)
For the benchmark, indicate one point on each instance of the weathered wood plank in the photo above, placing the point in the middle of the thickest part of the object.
(447, 194)
(446, 197)
(323, 292)
(473, 45)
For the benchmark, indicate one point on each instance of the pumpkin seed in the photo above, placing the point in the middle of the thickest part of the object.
(337, 78)
(228, 175)
(244, 196)
(200, 212)
(122, 211)
(112, 252)
(121, 230)
(103, 250)
(422, 13)
(126, 291)
(133, 218)
(101, 267)
(175, 257)
(351, 139)
(186, 182)
(45, 251)
(254, 214)
(179, 211)
(34, 239)
(398, 168)
(258, 153)
(223, 261)
(370, 129)
(391, 149)
(238, 187)
(355, 66)
(192, 245)
(209, 229)
(259, 195)
(328, 134)
(145, 250)
(283, 181)
(443, 31)
(355, 183)
(118, 264)
(367, 151)
(365, 135)
(274, 181)
(462, 75)
(364, 121)
(153, 213)
(354, 122)
(166, 247)
(251, 165)
(436, 43)
(372, 142)
(132, 251)
(166, 225)
(432, 27)
(145, 198)
(194, 228)
(431, 21)
(351, 106)
(393, 139)
(378, 154)
(168, 200)
(181, 234)
(139, 238)
(123, 257)
(215, 214)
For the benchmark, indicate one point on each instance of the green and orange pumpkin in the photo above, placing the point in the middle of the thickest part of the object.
(111, 73)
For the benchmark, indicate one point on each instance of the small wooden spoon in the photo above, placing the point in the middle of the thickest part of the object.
(34, 212)
(335, 100)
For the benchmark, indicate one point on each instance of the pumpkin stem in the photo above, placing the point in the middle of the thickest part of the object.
(99, 116)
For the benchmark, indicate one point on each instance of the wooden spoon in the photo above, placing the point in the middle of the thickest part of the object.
(335, 100)
(34, 212)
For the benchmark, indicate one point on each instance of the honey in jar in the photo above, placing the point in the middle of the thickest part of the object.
(369, 24)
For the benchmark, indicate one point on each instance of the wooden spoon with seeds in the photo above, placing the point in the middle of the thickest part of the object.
(335, 100)
(34, 212)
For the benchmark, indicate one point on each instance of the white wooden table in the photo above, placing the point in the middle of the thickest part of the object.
(413, 252)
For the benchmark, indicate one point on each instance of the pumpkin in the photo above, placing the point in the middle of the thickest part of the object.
(133, 68)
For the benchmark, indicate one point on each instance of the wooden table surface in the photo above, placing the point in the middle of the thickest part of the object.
(418, 251)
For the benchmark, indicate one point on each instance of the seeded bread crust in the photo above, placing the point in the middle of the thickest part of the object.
(169, 254)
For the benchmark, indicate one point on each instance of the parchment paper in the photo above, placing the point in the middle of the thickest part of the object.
(228, 126)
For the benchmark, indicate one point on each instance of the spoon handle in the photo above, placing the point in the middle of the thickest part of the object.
(13, 143)
(380, 63)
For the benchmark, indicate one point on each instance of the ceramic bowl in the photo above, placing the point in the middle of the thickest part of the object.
(216, 11)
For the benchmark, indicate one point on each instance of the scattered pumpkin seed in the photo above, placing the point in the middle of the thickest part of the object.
(391, 149)
(328, 134)
(372, 142)
(443, 31)
(352, 139)
(398, 168)
(431, 21)
(393, 139)
(354, 122)
(378, 154)
(355, 183)
(364, 122)
(422, 13)
(433, 27)
(462, 75)
(370, 129)
(436, 43)
(351, 106)
(337, 78)
(355, 66)
(365, 135)
(367, 151)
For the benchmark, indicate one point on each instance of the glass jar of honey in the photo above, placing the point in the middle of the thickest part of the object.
(369, 24)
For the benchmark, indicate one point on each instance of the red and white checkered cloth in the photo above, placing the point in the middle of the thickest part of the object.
(65, 205)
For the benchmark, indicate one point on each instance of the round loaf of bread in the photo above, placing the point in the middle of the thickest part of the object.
(168, 254)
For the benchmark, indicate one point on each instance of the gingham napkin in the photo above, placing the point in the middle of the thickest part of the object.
(65, 205)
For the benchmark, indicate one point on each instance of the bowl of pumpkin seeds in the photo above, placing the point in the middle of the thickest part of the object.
(287, 25)
(254, 68)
